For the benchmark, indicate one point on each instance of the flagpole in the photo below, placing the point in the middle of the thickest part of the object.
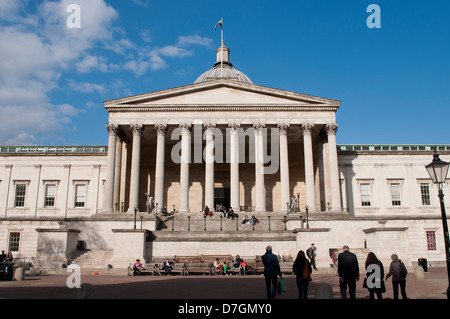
(221, 44)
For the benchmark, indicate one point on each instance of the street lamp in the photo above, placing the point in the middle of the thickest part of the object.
(438, 170)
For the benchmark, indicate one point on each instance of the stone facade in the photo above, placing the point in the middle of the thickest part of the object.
(220, 143)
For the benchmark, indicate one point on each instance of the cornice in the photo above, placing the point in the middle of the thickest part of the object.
(222, 108)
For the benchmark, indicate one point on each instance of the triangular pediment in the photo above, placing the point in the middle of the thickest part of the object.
(221, 93)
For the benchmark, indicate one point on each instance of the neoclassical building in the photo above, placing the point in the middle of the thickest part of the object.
(221, 142)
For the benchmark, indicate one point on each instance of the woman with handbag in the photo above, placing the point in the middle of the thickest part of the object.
(302, 270)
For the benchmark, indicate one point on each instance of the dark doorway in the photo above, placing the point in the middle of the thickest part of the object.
(222, 198)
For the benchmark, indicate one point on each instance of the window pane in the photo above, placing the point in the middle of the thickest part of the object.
(431, 240)
(50, 192)
(80, 195)
(425, 192)
(395, 195)
(14, 239)
(20, 195)
(365, 195)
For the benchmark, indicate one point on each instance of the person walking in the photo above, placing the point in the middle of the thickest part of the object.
(311, 252)
(398, 271)
(348, 269)
(334, 258)
(302, 270)
(271, 270)
(377, 286)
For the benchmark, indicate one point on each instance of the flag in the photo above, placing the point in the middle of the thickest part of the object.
(219, 23)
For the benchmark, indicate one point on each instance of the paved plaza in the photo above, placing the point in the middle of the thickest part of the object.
(250, 287)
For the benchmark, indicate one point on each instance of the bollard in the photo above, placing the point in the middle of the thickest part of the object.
(419, 273)
(19, 273)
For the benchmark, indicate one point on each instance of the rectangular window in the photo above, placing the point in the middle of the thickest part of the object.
(50, 193)
(395, 195)
(20, 195)
(425, 193)
(14, 240)
(431, 240)
(365, 195)
(80, 195)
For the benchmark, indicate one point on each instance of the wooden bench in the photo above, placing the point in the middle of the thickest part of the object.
(178, 267)
(212, 258)
(141, 272)
(194, 264)
(187, 259)
(198, 268)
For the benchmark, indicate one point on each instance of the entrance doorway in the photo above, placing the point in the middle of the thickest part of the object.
(221, 198)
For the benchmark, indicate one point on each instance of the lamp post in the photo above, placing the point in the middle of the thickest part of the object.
(135, 213)
(438, 170)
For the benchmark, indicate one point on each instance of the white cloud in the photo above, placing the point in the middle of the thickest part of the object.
(38, 50)
(174, 51)
(91, 63)
(141, 3)
(86, 87)
(35, 50)
(194, 39)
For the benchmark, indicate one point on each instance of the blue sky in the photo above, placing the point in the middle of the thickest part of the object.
(393, 82)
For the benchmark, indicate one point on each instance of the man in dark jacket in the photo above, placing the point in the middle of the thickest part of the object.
(271, 270)
(348, 269)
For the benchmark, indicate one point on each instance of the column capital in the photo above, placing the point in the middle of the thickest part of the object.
(112, 129)
(283, 128)
(209, 126)
(258, 127)
(331, 128)
(137, 129)
(161, 129)
(234, 126)
(307, 128)
(185, 127)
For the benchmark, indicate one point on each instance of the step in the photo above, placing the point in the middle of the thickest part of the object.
(196, 222)
(94, 258)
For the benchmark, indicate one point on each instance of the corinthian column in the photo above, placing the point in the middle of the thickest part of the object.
(135, 167)
(284, 167)
(234, 169)
(309, 166)
(184, 167)
(160, 160)
(108, 201)
(259, 169)
(209, 166)
(117, 173)
(334, 169)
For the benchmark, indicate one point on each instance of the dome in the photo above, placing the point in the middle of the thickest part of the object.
(223, 69)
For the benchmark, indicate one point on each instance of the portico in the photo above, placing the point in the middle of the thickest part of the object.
(257, 141)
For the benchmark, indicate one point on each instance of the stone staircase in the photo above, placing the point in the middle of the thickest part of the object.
(195, 222)
(92, 258)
